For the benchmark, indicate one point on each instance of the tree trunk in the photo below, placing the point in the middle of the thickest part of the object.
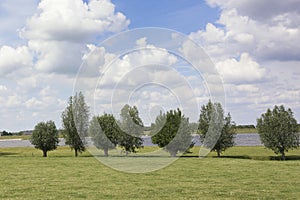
(126, 153)
(44, 153)
(76, 152)
(173, 154)
(105, 152)
(282, 155)
(219, 153)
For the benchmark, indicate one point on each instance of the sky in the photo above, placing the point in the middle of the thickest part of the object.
(49, 47)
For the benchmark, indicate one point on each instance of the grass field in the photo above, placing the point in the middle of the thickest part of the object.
(243, 173)
(23, 137)
(246, 130)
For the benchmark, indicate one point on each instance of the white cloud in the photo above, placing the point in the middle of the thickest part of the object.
(247, 88)
(33, 103)
(130, 64)
(3, 89)
(243, 70)
(73, 20)
(58, 32)
(212, 34)
(274, 39)
(259, 10)
(57, 56)
(148, 77)
(255, 47)
(12, 59)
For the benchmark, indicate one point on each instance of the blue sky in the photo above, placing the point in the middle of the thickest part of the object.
(181, 15)
(43, 43)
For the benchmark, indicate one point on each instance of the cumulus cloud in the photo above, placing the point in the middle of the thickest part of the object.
(3, 88)
(149, 77)
(51, 47)
(266, 10)
(114, 68)
(243, 70)
(57, 56)
(59, 30)
(212, 34)
(73, 20)
(240, 30)
(255, 47)
(12, 59)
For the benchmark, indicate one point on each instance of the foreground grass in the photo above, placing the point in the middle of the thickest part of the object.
(23, 137)
(246, 130)
(243, 173)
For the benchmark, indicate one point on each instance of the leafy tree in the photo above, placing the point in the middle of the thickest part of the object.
(277, 129)
(132, 129)
(216, 131)
(104, 131)
(130, 121)
(45, 137)
(75, 121)
(172, 132)
(5, 133)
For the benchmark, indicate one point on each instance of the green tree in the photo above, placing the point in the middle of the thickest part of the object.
(104, 131)
(132, 129)
(172, 132)
(216, 131)
(130, 121)
(45, 137)
(75, 121)
(5, 133)
(277, 129)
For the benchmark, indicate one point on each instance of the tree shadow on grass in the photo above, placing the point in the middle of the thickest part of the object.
(290, 157)
(235, 157)
(7, 153)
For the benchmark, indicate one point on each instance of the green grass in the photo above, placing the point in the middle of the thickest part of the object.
(246, 130)
(23, 137)
(243, 173)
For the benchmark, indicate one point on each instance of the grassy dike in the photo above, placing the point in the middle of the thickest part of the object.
(242, 173)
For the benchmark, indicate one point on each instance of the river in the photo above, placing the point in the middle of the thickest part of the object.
(245, 139)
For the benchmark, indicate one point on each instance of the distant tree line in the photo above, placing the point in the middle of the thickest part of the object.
(6, 133)
(278, 129)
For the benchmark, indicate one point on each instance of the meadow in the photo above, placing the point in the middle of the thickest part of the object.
(242, 173)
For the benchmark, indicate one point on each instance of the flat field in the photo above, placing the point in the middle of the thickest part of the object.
(242, 173)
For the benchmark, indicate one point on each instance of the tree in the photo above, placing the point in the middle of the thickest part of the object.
(277, 129)
(5, 133)
(45, 137)
(104, 131)
(172, 132)
(132, 129)
(75, 121)
(216, 131)
(130, 121)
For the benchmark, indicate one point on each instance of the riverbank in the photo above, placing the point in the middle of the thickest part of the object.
(246, 139)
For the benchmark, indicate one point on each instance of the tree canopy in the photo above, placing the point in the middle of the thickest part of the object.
(45, 137)
(278, 130)
(172, 132)
(104, 131)
(75, 122)
(132, 129)
(216, 131)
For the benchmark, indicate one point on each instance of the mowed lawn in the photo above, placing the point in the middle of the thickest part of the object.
(243, 173)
